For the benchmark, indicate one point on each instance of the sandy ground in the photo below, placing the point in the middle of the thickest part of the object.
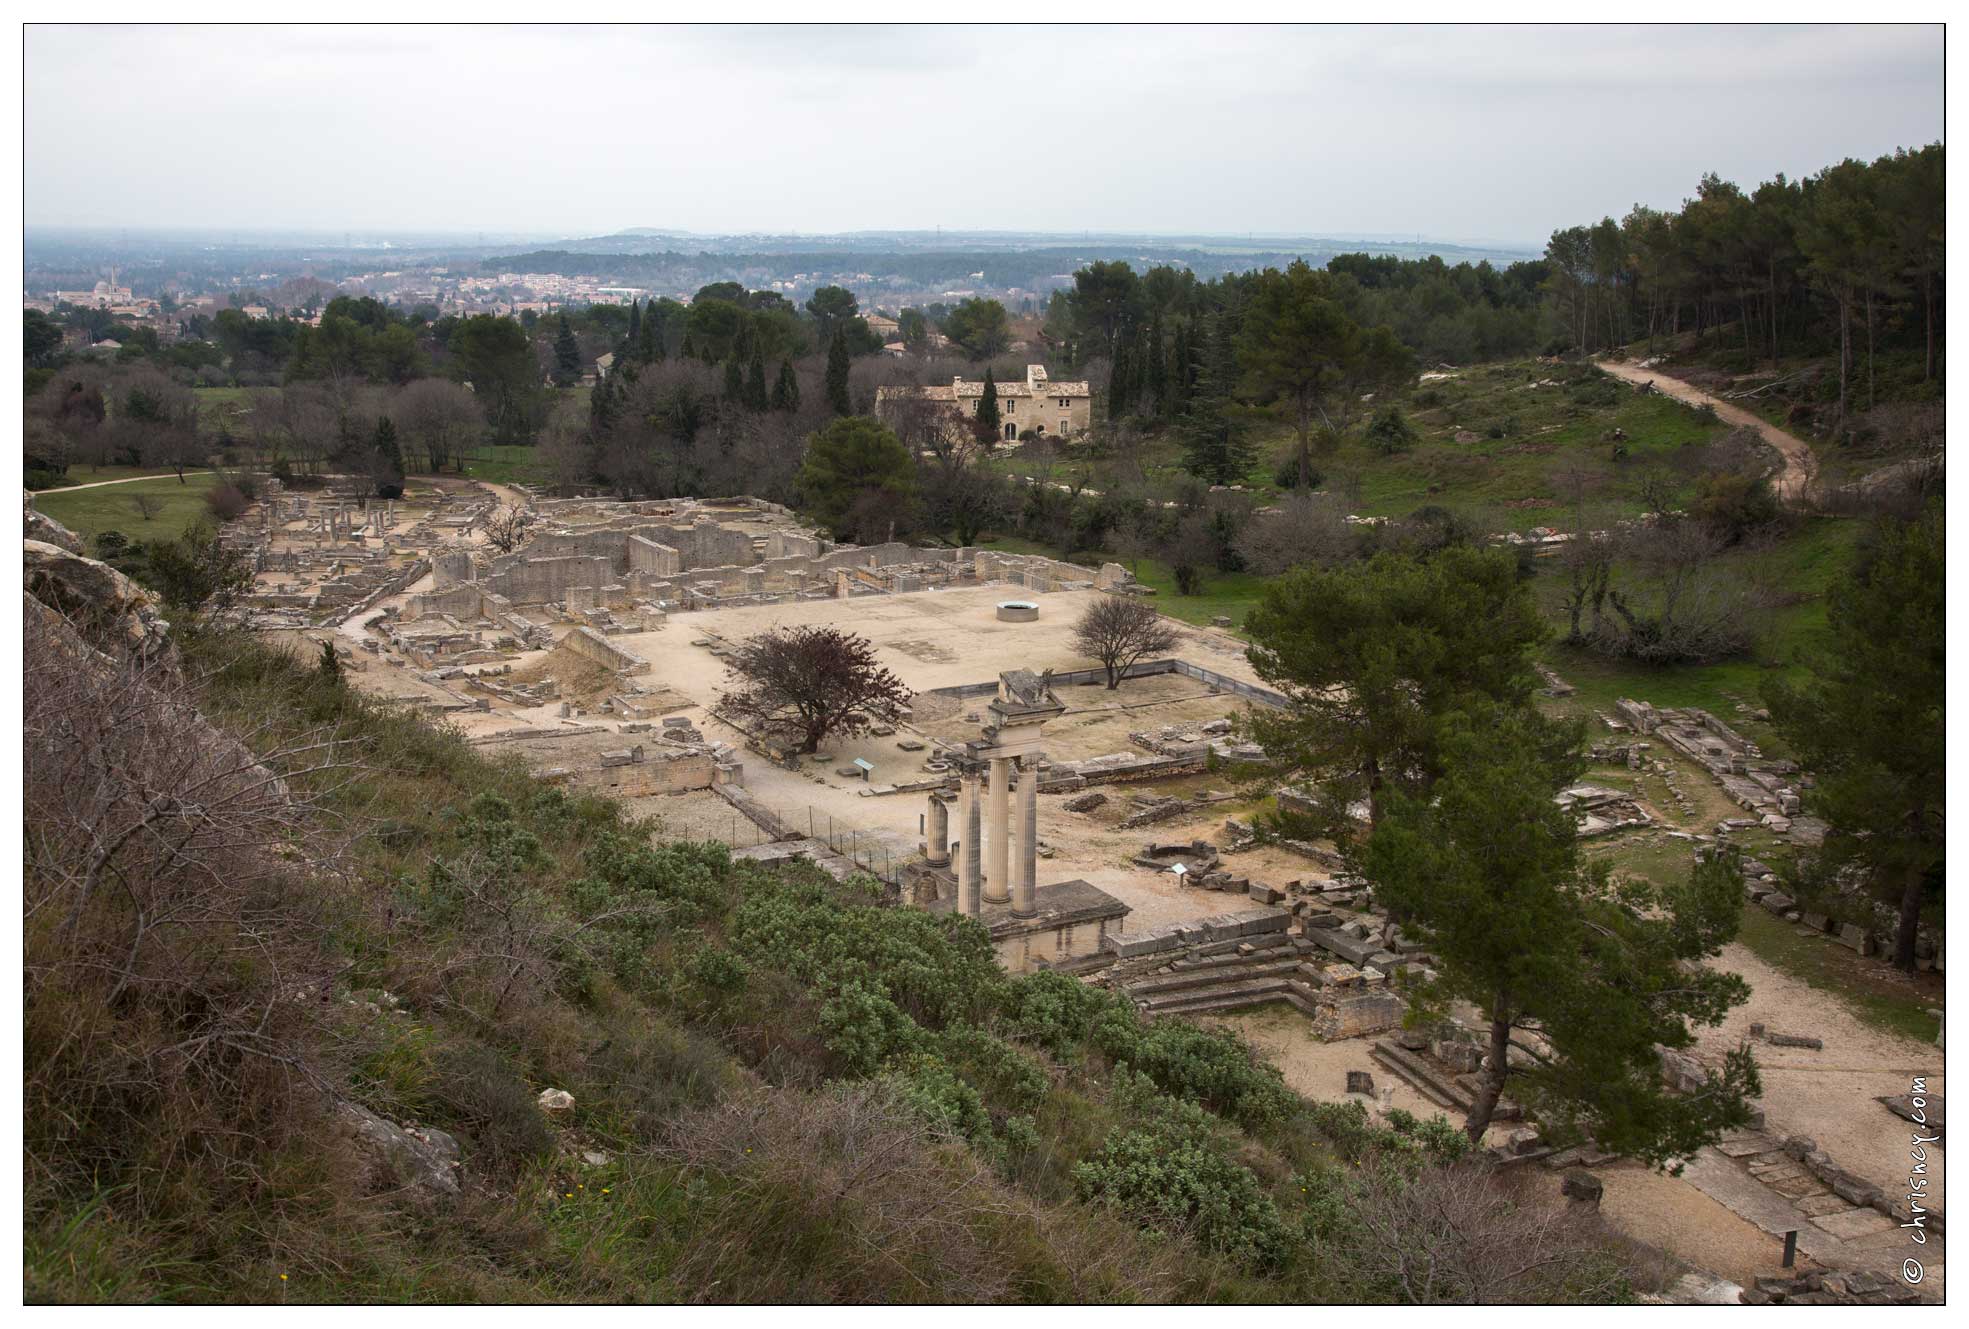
(1799, 465)
(1829, 1094)
(1319, 1070)
(1670, 1214)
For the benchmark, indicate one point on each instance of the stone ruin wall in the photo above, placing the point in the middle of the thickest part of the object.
(593, 646)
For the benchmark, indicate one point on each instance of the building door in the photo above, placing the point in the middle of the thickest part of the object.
(1011, 431)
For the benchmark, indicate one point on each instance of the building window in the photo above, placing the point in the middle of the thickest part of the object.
(1011, 431)
(1066, 427)
(1011, 406)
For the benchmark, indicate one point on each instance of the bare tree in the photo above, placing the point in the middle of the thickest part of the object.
(505, 527)
(803, 684)
(1305, 529)
(438, 418)
(147, 505)
(1461, 1234)
(1120, 632)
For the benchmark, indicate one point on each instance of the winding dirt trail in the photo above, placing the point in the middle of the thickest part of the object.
(1799, 465)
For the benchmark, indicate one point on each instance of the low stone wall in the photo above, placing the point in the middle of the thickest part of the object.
(593, 646)
(1219, 927)
(1146, 669)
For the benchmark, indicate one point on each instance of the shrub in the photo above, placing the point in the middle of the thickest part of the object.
(1389, 433)
(1172, 1174)
(225, 501)
(494, 1109)
(1287, 475)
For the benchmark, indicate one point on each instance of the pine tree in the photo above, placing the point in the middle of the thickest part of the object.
(567, 355)
(755, 383)
(988, 408)
(1182, 374)
(786, 392)
(837, 376)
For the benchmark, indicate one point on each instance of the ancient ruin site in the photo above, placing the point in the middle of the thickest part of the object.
(1098, 833)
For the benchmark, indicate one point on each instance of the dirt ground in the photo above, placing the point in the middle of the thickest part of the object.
(1829, 1094)
(1319, 1070)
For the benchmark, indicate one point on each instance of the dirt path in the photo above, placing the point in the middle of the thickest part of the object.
(1799, 465)
(126, 480)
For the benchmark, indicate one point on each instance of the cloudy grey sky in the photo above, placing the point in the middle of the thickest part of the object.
(1458, 133)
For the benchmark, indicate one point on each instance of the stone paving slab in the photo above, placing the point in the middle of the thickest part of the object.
(1854, 1223)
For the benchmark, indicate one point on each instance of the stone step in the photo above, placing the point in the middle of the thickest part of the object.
(1217, 976)
(1224, 996)
(1435, 1084)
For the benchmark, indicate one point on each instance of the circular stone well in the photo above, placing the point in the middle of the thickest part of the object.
(1017, 611)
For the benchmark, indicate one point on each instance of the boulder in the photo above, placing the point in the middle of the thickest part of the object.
(420, 1159)
(556, 1100)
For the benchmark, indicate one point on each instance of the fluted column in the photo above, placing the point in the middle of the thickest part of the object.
(1025, 842)
(936, 836)
(970, 808)
(998, 881)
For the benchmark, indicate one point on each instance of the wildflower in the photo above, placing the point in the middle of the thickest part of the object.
(283, 1278)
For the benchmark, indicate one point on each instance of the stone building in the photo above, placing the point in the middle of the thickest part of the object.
(1038, 405)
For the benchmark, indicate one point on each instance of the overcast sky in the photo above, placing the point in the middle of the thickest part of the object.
(1494, 134)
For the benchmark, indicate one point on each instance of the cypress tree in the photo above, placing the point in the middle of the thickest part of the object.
(1155, 361)
(567, 355)
(650, 348)
(1121, 382)
(734, 380)
(1215, 447)
(988, 419)
(786, 392)
(602, 408)
(755, 383)
(389, 459)
(837, 376)
(686, 351)
(635, 337)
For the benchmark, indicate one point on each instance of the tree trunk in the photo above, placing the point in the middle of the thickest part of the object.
(1869, 349)
(1928, 307)
(1491, 1088)
(1910, 920)
(1774, 313)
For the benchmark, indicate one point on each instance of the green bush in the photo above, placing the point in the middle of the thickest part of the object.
(1171, 1173)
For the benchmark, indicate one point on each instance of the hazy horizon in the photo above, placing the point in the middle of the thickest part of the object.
(1475, 135)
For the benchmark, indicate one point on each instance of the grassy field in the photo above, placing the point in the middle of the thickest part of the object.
(507, 464)
(89, 512)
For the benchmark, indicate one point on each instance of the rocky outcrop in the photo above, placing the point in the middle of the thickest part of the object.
(416, 1158)
(105, 603)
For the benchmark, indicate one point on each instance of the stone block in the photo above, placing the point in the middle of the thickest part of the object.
(1580, 1184)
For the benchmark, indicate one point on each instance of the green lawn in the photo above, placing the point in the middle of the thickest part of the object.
(89, 512)
(507, 463)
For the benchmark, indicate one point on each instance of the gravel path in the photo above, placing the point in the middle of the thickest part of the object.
(1799, 465)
